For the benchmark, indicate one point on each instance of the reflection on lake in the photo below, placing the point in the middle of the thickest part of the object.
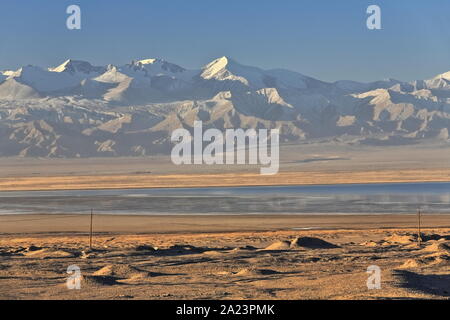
(348, 198)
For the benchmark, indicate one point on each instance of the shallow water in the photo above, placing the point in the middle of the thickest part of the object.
(399, 198)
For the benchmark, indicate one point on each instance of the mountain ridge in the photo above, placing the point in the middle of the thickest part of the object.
(79, 110)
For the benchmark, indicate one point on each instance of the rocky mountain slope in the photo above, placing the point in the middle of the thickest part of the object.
(80, 110)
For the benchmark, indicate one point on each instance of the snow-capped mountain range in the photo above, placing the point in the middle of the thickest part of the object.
(79, 110)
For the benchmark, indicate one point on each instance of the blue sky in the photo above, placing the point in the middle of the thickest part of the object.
(326, 39)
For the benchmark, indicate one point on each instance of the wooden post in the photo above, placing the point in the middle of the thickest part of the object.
(419, 233)
(90, 232)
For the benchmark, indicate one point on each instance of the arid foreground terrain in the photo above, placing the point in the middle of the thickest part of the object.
(260, 259)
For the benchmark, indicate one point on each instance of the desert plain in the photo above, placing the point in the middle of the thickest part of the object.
(245, 256)
(230, 257)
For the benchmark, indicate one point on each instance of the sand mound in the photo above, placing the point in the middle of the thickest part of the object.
(311, 243)
(32, 248)
(401, 239)
(432, 237)
(48, 254)
(244, 249)
(439, 257)
(279, 245)
(412, 263)
(145, 247)
(123, 271)
(412, 245)
(98, 280)
(255, 272)
(369, 243)
(429, 260)
(87, 255)
(438, 246)
(184, 249)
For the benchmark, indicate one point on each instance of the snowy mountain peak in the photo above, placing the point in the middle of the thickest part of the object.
(77, 66)
(445, 76)
(7, 72)
(222, 61)
(147, 61)
(225, 69)
(216, 66)
(28, 69)
(156, 66)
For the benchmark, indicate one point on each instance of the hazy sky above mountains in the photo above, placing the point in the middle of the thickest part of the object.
(325, 39)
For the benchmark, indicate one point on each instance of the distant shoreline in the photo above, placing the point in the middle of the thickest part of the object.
(232, 186)
(142, 181)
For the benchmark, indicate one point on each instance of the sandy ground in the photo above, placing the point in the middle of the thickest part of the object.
(228, 257)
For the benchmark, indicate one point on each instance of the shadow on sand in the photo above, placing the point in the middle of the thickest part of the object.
(429, 284)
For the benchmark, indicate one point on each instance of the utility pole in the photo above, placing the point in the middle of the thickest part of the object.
(419, 233)
(90, 232)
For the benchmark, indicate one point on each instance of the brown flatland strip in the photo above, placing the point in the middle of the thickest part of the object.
(223, 179)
